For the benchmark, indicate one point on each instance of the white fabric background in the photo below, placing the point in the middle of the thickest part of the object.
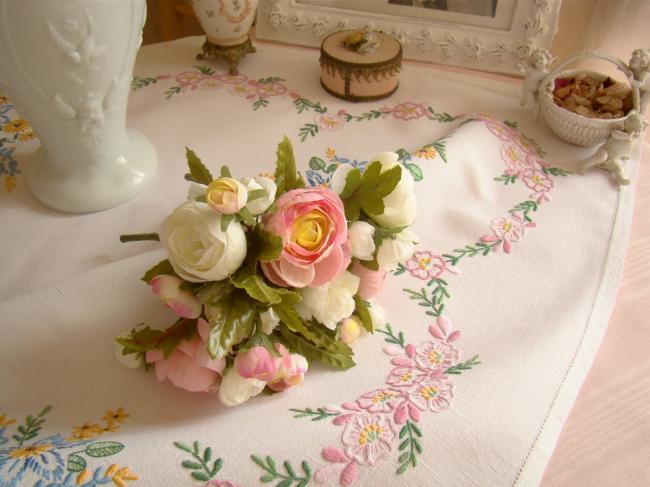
(535, 316)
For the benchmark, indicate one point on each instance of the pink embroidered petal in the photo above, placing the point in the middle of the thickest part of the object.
(342, 419)
(402, 362)
(444, 323)
(352, 406)
(414, 413)
(334, 455)
(393, 350)
(325, 474)
(349, 474)
(410, 350)
(507, 246)
(488, 238)
(436, 332)
(453, 336)
(401, 414)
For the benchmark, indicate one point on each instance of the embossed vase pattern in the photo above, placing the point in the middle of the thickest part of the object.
(67, 66)
(225, 22)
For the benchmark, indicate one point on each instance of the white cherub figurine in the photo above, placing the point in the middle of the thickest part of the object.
(615, 150)
(640, 68)
(536, 70)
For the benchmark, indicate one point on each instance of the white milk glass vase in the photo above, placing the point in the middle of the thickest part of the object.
(67, 66)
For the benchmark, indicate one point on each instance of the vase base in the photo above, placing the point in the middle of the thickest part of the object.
(232, 54)
(96, 188)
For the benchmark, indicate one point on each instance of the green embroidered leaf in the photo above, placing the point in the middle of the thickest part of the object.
(317, 164)
(216, 467)
(198, 172)
(191, 465)
(202, 477)
(161, 268)
(76, 463)
(104, 449)
(225, 221)
(315, 415)
(306, 468)
(312, 352)
(225, 172)
(207, 455)
(266, 478)
(284, 483)
(361, 310)
(289, 469)
(234, 322)
(270, 462)
(182, 446)
(286, 173)
(415, 171)
(462, 366)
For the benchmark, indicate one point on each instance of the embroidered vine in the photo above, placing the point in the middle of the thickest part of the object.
(58, 461)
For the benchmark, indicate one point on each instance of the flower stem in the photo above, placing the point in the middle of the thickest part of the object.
(137, 237)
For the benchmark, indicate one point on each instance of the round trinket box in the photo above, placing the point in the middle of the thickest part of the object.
(360, 65)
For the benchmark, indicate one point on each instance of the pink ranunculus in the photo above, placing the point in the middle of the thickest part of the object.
(189, 367)
(427, 265)
(183, 303)
(257, 363)
(291, 370)
(314, 232)
(371, 282)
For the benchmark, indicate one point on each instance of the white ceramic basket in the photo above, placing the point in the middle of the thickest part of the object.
(570, 126)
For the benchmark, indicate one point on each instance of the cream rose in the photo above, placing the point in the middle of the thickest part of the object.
(331, 302)
(361, 238)
(396, 249)
(197, 248)
(226, 195)
(260, 205)
(400, 205)
(235, 390)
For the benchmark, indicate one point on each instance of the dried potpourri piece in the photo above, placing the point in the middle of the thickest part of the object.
(593, 98)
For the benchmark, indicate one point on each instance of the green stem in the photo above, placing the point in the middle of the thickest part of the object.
(138, 237)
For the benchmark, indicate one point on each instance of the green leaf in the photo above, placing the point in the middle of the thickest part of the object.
(76, 463)
(234, 322)
(191, 465)
(361, 309)
(306, 468)
(286, 174)
(259, 339)
(214, 293)
(369, 193)
(216, 467)
(352, 183)
(317, 164)
(161, 268)
(207, 455)
(404, 456)
(225, 221)
(104, 449)
(373, 264)
(258, 461)
(268, 246)
(198, 172)
(247, 216)
(289, 469)
(256, 287)
(225, 172)
(270, 462)
(256, 194)
(203, 477)
(311, 352)
(415, 171)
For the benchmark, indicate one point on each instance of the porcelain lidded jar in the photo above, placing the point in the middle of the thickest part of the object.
(67, 66)
(226, 24)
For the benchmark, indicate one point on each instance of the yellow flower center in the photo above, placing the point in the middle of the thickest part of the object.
(29, 451)
(222, 191)
(434, 357)
(536, 179)
(370, 434)
(382, 396)
(309, 230)
(406, 376)
(429, 392)
(507, 227)
(424, 263)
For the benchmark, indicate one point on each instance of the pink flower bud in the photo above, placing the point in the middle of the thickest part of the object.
(257, 363)
(183, 303)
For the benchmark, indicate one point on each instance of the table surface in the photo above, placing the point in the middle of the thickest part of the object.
(606, 439)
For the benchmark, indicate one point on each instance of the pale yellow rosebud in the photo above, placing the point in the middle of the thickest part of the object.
(350, 330)
(226, 195)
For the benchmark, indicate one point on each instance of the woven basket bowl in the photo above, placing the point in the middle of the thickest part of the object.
(570, 126)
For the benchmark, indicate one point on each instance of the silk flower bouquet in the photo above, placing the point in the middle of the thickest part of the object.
(267, 275)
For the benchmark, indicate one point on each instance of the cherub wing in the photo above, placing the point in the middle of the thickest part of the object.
(61, 108)
(65, 46)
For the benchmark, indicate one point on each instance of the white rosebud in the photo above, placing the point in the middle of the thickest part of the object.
(331, 302)
(226, 195)
(400, 205)
(196, 190)
(132, 360)
(235, 390)
(361, 238)
(337, 182)
(377, 314)
(197, 248)
(269, 320)
(395, 250)
(260, 205)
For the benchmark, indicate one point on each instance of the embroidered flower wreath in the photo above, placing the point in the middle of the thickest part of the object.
(267, 275)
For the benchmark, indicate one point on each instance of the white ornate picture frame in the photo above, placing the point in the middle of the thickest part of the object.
(500, 47)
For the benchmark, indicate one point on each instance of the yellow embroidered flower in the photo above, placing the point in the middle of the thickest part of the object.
(118, 415)
(110, 427)
(120, 476)
(16, 126)
(10, 184)
(24, 137)
(426, 152)
(85, 431)
(330, 152)
(4, 421)
(4, 100)
(82, 477)
(30, 451)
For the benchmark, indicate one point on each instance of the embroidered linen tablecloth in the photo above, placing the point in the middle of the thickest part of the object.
(508, 293)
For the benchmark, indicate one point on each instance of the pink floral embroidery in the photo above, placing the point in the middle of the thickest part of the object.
(514, 158)
(267, 90)
(498, 128)
(368, 437)
(404, 376)
(409, 111)
(246, 90)
(539, 182)
(331, 122)
(431, 394)
(189, 78)
(436, 356)
(506, 230)
(426, 265)
(209, 84)
(380, 400)
(219, 483)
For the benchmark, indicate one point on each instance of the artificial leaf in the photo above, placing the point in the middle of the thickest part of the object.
(256, 194)
(368, 193)
(256, 287)
(198, 172)
(145, 339)
(233, 322)
(361, 310)
(302, 346)
(225, 221)
(161, 268)
(352, 183)
(214, 293)
(381, 234)
(225, 172)
(246, 215)
(259, 339)
(373, 264)
(263, 245)
(286, 174)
